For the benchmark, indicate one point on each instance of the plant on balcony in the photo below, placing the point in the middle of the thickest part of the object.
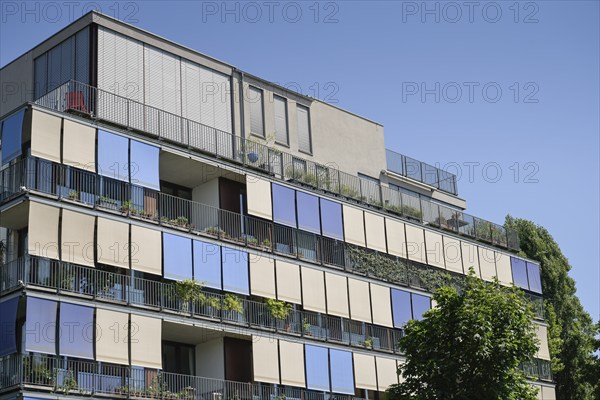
(73, 195)
(411, 212)
(368, 343)
(251, 240)
(69, 383)
(189, 290)
(306, 327)
(278, 309)
(215, 231)
(126, 206)
(233, 303)
(182, 221)
(38, 373)
(266, 243)
(107, 202)
(349, 191)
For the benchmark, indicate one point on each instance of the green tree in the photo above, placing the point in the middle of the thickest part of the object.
(469, 347)
(571, 329)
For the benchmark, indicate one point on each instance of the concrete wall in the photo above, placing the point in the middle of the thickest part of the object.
(207, 193)
(340, 139)
(210, 359)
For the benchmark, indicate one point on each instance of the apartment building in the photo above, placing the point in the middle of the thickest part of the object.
(135, 172)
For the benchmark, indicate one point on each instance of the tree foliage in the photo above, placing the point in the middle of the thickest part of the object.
(469, 347)
(571, 329)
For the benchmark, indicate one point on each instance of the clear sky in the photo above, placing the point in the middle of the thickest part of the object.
(506, 91)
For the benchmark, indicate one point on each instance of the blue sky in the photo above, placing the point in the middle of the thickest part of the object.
(507, 92)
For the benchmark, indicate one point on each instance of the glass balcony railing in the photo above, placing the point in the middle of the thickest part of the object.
(132, 201)
(421, 172)
(118, 111)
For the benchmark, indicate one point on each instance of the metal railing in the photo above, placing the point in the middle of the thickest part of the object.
(537, 369)
(84, 378)
(99, 285)
(158, 124)
(421, 172)
(107, 194)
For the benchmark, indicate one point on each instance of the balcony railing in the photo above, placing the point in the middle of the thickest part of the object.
(132, 201)
(104, 286)
(89, 378)
(420, 171)
(163, 126)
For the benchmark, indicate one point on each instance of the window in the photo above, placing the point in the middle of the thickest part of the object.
(177, 255)
(77, 331)
(235, 271)
(331, 219)
(207, 264)
(12, 132)
(420, 304)
(519, 272)
(342, 374)
(257, 126)
(304, 139)
(113, 155)
(401, 308)
(281, 122)
(533, 273)
(144, 165)
(308, 212)
(179, 358)
(317, 367)
(284, 205)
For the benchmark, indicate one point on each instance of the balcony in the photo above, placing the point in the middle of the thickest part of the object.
(421, 172)
(88, 378)
(104, 194)
(117, 111)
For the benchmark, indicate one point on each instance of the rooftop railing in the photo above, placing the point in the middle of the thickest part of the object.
(91, 102)
(421, 172)
(131, 201)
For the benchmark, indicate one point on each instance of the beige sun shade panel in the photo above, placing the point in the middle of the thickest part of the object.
(288, 282)
(360, 301)
(504, 269)
(386, 373)
(487, 263)
(113, 242)
(434, 246)
(258, 194)
(337, 295)
(542, 335)
(43, 230)
(146, 250)
(396, 237)
(265, 359)
(45, 136)
(313, 290)
(146, 350)
(453, 254)
(291, 361)
(354, 226)
(375, 230)
(262, 276)
(548, 393)
(112, 337)
(77, 238)
(470, 256)
(365, 376)
(79, 145)
(381, 304)
(415, 244)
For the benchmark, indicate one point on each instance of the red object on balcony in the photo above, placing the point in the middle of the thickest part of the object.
(75, 101)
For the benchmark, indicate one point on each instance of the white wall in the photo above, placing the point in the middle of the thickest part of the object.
(210, 359)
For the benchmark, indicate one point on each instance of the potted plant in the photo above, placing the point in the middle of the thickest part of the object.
(278, 309)
(189, 291)
(107, 202)
(233, 303)
(181, 221)
(306, 327)
(266, 244)
(126, 206)
(74, 195)
(368, 343)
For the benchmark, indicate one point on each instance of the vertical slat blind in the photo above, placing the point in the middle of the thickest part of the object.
(304, 139)
(281, 126)
(256, 111)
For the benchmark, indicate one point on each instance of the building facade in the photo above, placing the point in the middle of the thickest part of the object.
(177, 228)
